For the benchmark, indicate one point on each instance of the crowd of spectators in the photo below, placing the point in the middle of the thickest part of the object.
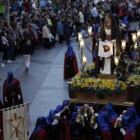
(50, 23)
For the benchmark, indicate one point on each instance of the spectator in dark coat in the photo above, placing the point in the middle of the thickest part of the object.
(68, 29)
(26, 50)
(60, 30)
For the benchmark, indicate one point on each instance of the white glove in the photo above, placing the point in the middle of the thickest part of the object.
(113, 41)
(122, 131)
(118, 120)
(57, 115)
(64, 117)
(96, 114)
(19, 97)
(50, 39)
(95, 126)
(82, 118)
(55, 122)
(51, 36)
(124, 112)
(6, 99)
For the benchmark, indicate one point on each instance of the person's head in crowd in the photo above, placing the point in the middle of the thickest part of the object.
(1, 23)
(31, 28)
(73, 118)
(108, 19)
(50, 117)
(18, 27)
(110, 110)
(70, 52)
(84, 27)
(10, 76)
(11, 31)
(18, 19)
(40, 124)
(27, 28)
(66, 103)
(6, 25)
(2, 33)
(47, 16)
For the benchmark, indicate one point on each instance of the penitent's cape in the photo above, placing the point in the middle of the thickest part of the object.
(70, 64)
(41, 135)
(16, 85)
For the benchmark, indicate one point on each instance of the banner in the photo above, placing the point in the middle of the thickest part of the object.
(15, 123)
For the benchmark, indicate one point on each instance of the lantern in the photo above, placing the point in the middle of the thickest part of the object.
(123, 44)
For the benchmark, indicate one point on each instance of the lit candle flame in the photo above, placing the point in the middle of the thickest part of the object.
(116, 61)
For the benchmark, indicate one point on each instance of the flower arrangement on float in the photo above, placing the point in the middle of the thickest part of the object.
(133, 80)
(85, 82)
(138, 70)
(97, 85)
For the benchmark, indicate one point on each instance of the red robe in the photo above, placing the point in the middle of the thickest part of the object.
(16, 84)
(106, 135)
(66, 63)
(67, 128)
(41, 135)
(130, 136)
(27, 6)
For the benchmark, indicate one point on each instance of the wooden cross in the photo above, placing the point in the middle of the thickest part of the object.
(16, 127)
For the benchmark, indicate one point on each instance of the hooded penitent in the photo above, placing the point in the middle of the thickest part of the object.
(40, 132)
(12, 94)
(70, 63)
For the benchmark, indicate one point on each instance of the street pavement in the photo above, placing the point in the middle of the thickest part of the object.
(43, 86)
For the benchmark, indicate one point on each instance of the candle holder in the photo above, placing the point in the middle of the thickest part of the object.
(134, 37)
(138, 34)
(89, 30)
(119, 70)
(84, 61)
(82, 44)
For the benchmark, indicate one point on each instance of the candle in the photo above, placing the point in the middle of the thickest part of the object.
(116, 61)
(138, 33)
(82, 43)
(134, 37)
(89, 30)
(80, 36)
(123, 44)
(84, 59)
